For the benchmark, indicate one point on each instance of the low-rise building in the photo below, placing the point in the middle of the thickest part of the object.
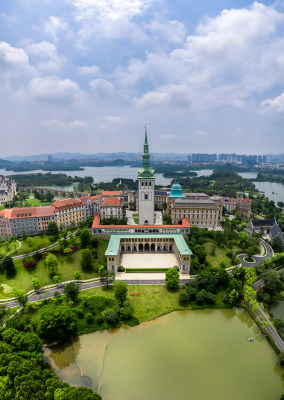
(8, 188)
(69, 212)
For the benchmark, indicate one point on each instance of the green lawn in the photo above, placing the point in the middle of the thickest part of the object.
(36, 203)
(220, 254)
(29, 245)
(154, 300)
(2, 207)
(67, 265)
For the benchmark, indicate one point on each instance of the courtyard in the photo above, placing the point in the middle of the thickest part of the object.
(148, 260)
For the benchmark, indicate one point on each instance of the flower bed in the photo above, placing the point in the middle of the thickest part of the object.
(73, 248)
(29, 264)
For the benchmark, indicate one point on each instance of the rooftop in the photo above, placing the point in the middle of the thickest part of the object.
(111, 193)
(111, 201)
(97, 218)
(114, 242)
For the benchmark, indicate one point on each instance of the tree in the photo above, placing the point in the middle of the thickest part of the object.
(172, 278)
(52, 229)
(85, 237)
(56, 278)
(8, 265)
(279, 323)
(71, 290)
(36, 283)
(21, 297)
(67, 251)
(51, 263)
(55, 323)
(234, 297)
(250, 252)
(111, 317)
(86, 260)
(107, 277)
(277, 244)
(73, 393)
(120, 291)
(77, 275)
(272, 282)
(237, 261)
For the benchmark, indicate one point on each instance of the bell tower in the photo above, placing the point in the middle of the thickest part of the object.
(146, 188)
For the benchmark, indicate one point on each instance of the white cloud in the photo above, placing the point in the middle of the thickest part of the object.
(177, 94)
(109, 19)
(101, 87)
(276, 104)
(53, 89)
(47, 53)
(78, 124)
(12, 56)
(89, 70)
(171, 31)
(53, 26)
(228, 59)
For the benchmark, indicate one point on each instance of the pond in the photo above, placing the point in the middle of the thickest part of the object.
(277, 309)
(183, 355)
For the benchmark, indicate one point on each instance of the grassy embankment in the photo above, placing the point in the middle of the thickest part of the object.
(154, 300)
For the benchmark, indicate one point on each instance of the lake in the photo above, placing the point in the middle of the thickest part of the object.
(184, 355)
(107, 174)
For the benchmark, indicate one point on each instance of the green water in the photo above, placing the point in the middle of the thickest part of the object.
(190, 355)
(277, 309)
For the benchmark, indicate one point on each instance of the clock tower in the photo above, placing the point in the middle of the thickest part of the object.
(146, 188)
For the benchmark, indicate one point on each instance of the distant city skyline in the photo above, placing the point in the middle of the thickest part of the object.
(86, 75)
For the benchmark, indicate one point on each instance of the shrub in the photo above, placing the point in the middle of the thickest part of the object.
(30, 262)
(184, 298)
(125, 312)
(120, 269)
(89, 317)
(111, 317)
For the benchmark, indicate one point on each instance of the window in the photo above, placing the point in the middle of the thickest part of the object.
(150, 183)
(146, 196)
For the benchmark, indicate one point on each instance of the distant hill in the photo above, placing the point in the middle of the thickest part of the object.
(94, 156)
(5, 163)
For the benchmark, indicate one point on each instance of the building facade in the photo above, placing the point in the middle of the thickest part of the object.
(8, 188)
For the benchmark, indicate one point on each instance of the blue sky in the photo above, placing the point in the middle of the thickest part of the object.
(86, 75)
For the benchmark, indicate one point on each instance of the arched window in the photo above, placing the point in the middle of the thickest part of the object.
(146, 196)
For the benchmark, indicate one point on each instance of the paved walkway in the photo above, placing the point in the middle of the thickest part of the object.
(159, 218)
(146, 277)
(129, 216)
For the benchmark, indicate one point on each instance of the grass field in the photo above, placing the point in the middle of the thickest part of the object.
(28, 245)
(67, 265)
(220, 254)
(153, 301)
(36, 203)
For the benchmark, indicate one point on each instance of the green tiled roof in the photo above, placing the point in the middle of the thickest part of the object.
(114, 242)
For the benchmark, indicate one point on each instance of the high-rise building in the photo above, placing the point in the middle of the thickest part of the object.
(146, 188)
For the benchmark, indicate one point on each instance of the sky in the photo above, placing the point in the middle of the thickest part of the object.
(87, 75)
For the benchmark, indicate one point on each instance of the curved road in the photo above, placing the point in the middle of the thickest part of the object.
(258, 260)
